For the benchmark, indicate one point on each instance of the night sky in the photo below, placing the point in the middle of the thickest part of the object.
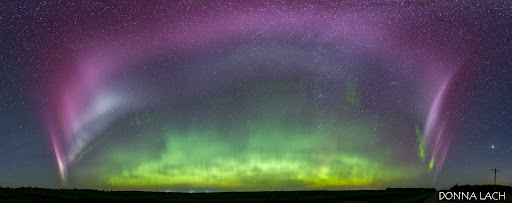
(233, 96)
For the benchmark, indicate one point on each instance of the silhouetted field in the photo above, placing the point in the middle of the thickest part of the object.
(61, 195)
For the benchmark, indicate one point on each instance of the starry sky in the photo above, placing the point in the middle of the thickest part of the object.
(255, 95)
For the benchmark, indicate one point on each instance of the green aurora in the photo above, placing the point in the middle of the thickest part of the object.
(271, 156)
(421, 149)
(351, 94)
(274, 145)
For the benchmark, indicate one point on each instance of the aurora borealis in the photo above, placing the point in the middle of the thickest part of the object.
(255, 95)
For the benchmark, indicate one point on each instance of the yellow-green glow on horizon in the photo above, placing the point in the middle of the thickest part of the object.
(270, 158)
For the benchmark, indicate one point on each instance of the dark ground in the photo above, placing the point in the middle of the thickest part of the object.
(388, 195)
(51, 195)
